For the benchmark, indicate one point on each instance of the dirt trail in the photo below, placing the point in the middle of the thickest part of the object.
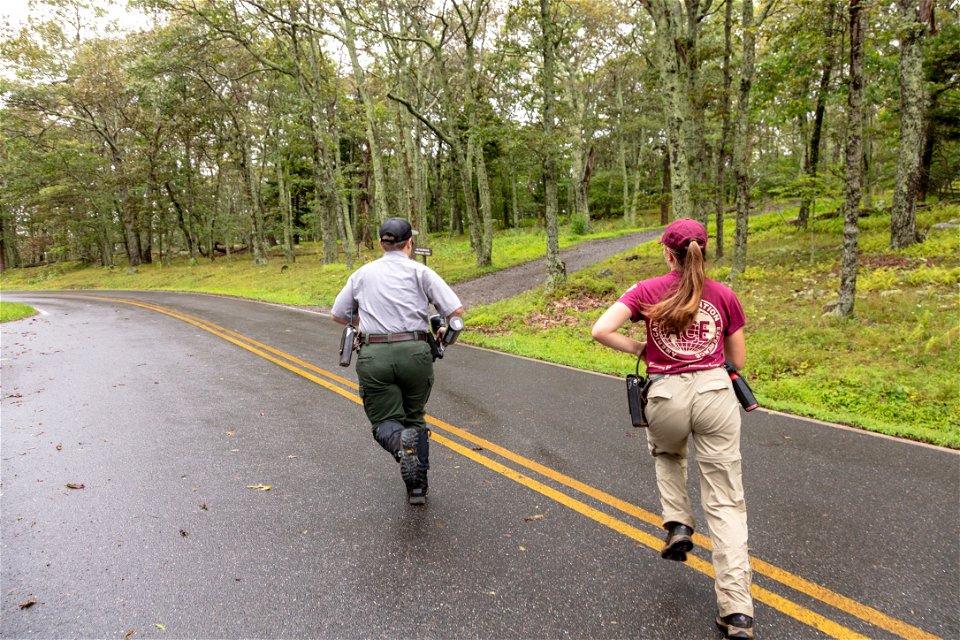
(512, 281)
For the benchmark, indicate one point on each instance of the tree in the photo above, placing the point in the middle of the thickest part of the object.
(667, 18)
(556, 271)
(812, 158)
(742, 142)
(914, 15)
(457, 125)
(723, 152)
(854, 171)
(938, 165)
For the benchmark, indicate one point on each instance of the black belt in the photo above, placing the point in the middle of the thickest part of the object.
(383, 338)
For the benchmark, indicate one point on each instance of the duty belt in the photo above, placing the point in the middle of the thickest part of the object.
(383, 338)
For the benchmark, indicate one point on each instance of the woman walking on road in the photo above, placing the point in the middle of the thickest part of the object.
(693, 324)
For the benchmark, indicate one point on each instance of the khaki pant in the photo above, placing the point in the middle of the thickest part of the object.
(702, 404)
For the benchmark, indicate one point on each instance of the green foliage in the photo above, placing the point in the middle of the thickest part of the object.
(578, 225)
(10, 311)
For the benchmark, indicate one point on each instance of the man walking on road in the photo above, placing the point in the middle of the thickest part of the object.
(389, 297)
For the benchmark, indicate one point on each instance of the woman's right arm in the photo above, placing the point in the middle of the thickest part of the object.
(735, 349)
(606, 330)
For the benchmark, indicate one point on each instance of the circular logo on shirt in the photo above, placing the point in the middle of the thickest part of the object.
(697, 341)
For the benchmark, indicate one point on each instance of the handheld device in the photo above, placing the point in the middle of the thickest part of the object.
(740, 387)
(348, 342)
(438, 341)
(637, 397)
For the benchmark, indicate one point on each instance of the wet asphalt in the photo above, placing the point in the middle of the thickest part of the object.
(168, 426)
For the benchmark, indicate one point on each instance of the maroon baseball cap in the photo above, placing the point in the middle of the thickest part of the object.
(679, 233)
(396, 230)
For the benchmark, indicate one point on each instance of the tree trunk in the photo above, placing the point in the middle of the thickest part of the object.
(556, 270)
(322, 201)
(583, 187)
(188, 233)
(286, 211)
(257, 241)
(813, 154)
(629, 213)
(5, 244)
(676, 102)
(456, 213)
(696, 144)
(514, 207)
(723, 153)
(665, 189)
(854, 173)
(579, 153)
(903, 221)
(131, 237)
(376, 157)
(926, 159)
(486, 208)
(742, 146)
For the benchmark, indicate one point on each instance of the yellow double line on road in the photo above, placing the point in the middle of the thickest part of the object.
(786, 606)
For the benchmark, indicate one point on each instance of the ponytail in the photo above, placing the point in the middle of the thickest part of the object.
(677, 311)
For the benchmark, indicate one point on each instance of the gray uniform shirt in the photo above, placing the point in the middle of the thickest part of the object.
(393, 293)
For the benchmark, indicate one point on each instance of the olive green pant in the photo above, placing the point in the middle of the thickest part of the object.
(395, 382)
(701, 405)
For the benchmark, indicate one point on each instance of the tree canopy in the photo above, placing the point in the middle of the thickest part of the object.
(239, 125)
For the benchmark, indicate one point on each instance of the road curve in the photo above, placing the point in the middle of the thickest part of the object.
(231, 489)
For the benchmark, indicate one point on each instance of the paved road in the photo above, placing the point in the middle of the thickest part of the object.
(512, 281)
(540, 524)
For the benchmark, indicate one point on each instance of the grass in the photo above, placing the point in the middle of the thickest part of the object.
(892, 369)
(10, 311)
(307, 281)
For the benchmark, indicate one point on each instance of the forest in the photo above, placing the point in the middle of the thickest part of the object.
(229, 126)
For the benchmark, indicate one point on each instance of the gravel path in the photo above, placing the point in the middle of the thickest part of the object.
(512, 281)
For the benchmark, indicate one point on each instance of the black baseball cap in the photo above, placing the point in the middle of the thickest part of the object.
(396, 230)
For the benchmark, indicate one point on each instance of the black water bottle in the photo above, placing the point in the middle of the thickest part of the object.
(740, 387)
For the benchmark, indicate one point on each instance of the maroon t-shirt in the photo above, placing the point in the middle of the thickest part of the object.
(700, 346)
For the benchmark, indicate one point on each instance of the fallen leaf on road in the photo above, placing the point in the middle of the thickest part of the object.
(230, 433)
(75, 485)
(536, 516)
(523, 548)
(29, 603)
(162, 627)
(260, 487)
(129, 634)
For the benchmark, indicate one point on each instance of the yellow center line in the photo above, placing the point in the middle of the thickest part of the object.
(859, 610)
(788, 607)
